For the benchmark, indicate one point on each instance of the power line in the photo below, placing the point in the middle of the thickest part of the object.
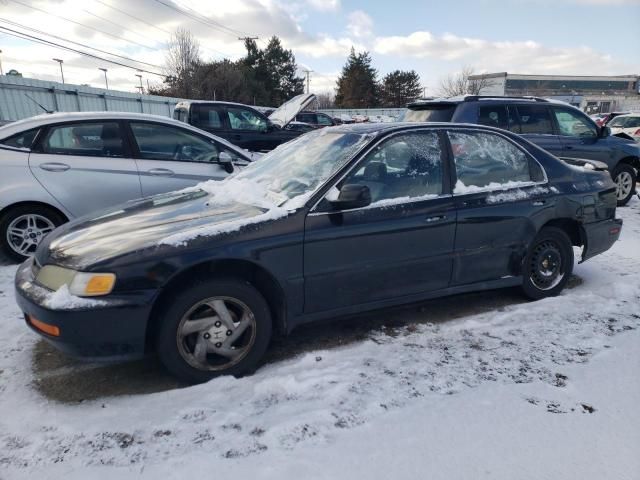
(218, 52)
(81, 24)
(133, 16)
(26, 36)
(119, 26)
(35, 30)
(211, 21)
(203, 20)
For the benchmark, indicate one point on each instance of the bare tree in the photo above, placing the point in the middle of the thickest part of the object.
(325, 100)
(182, 59)
(460, 83)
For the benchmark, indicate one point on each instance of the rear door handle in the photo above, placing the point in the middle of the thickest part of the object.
(54, 167)
(160, 172)
(539, 203)
(568, 147)
(437, 218)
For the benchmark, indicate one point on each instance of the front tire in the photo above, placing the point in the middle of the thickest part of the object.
(212, 328)
(22, 228)
(625, 179)
(548, 264)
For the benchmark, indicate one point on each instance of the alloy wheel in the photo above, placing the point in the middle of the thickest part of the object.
(624, 184)
(25, 232)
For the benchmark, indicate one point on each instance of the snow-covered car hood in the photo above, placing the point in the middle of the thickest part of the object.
(288, 110)
(170, 219)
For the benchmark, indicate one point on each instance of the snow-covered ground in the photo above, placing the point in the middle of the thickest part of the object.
(547, 389)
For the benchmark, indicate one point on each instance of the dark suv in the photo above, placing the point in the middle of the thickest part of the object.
(243, 125)
(559, 128)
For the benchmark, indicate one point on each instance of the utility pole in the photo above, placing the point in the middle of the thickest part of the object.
(244, 39)
(140, 78)
(1, 72)
(61, 72)
(106, 82)
(307, 72)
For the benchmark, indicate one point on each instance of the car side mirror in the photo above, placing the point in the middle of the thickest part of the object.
(226, 161)
(352, 196)
(605, 132)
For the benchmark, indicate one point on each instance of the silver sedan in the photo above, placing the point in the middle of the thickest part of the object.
(60, 166)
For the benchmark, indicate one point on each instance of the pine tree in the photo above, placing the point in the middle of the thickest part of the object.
(400, 87)
(358, 85)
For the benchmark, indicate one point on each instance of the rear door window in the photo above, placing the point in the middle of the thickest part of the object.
(494, 116)
(532, 119)
(430, 113)
(307, 118)
(94, 139)
(206, 117)
(485, 160)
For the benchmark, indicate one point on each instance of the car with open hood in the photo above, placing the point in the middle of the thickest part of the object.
(243, 125)
(339, 221)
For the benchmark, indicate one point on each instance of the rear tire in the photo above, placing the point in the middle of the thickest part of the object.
(548, 264)
(212, 328)
(22, 228)
(625, 178)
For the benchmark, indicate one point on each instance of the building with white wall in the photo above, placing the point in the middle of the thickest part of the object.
(593, 94)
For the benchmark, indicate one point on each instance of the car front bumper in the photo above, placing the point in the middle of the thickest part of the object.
(114, 328)
(598, 237)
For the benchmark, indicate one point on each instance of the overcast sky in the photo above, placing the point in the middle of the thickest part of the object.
(583, 37)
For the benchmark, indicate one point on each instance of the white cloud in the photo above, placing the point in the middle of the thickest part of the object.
(324, 5)
(360, 24)
(516, 57)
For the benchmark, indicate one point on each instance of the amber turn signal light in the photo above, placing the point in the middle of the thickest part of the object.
(44, 327)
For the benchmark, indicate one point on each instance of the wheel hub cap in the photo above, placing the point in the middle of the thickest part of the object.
(546, 266)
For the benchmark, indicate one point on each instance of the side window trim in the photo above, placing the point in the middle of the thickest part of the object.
(331, 183)
(454, 175)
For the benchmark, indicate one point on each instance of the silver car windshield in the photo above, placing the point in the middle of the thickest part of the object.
(296, 169)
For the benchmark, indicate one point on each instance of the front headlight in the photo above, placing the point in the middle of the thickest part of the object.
(81, 284)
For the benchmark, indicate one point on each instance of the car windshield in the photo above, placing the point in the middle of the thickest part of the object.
(291, 173)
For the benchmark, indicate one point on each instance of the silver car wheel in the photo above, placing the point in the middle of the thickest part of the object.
(26, 232)
(216, 333)
(624, 184)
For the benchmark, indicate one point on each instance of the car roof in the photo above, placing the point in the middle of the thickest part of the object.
(385, 127)
(188, 103)
(51, 118)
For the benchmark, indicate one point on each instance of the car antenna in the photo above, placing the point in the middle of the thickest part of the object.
(40, 105)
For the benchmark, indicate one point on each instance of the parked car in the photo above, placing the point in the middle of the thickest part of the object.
(316, 119)
(626, 124)
(605, 118)
(557, 127)
(243, 125)
(300, 127)
(336, 222)
(57, 167)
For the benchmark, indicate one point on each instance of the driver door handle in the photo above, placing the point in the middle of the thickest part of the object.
(437, 218)
(160, 172)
